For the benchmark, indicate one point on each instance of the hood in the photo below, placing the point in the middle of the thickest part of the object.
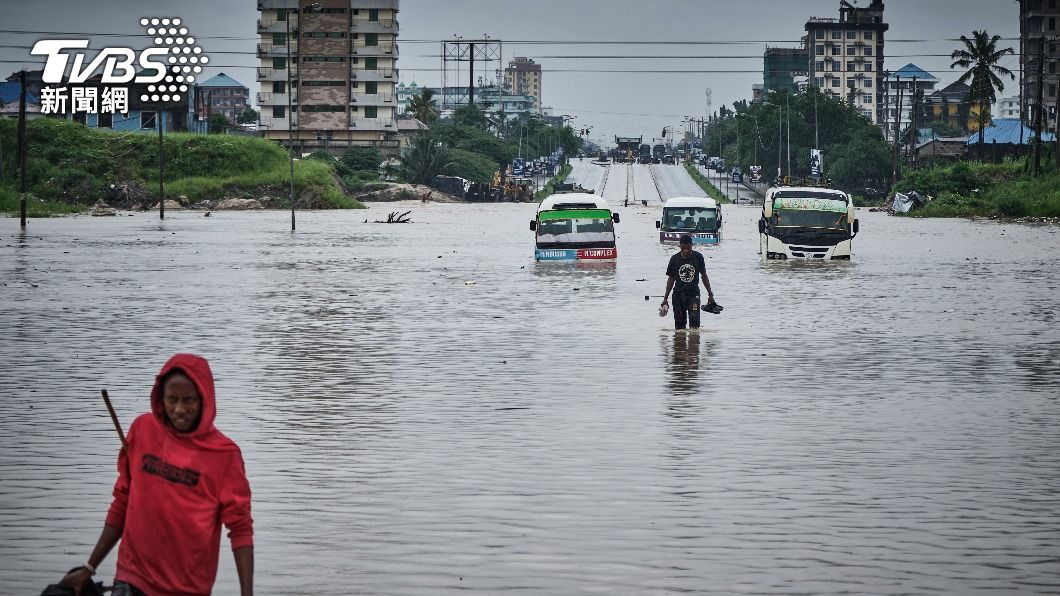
(198, 370)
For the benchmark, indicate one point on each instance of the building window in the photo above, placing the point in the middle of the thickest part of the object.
(819, 50)
(279, 86)
(373, 14)
(279, 62)
(868, 35)
(147, 119)
(1052, 23)
(279, 39)
(279, 112)
(1052, 68)
(819, 82)
(837, 35)
(371, 112)
(105, 120)
(836, 66)
(837, 51)
(281, 14)
(866, 99)
(851, 66)
(851, 50)
(371, 39)
(371, 63)
(835, 82)
(1052, 89)
(868, 50)
(868, 83)
(371, 87)
(819, 34)
(852, 34)
(819, 65)
(868, 67)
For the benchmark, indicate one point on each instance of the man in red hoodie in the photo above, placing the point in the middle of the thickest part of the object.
(179, 479)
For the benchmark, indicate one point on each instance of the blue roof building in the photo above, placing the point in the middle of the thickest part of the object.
(909, 79)
(1008, 131)
(224, 95)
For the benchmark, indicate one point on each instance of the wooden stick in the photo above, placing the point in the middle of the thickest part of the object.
(114, 418)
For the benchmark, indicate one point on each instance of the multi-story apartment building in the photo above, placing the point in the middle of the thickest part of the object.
(338, 88)
(780, 66)
(1008, 108)
(903, 84)
(224, 95)
(846, 56)
(1039, 45)
(523, 77)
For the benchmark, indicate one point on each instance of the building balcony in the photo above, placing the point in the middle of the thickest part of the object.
(272, 50)
(387, 124)
(372, 99)
(359, 74)
(269, 98)
(271, 25)
(380, 4)
(380, 26)
(385, 48)
(276, 4)
(266, 73)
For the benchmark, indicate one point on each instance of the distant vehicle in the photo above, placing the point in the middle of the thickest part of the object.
(657, 152)
(698, 217)
(574, 227)
(669, 159)
(807, 222)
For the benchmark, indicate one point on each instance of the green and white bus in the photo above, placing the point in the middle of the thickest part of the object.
(806, 222)
(574, 226)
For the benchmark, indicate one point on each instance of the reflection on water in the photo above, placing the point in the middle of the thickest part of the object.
(424, 409)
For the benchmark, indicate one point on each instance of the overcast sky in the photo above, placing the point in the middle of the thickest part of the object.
(619, 95)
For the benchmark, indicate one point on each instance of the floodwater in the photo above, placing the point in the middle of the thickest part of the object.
(423, 409)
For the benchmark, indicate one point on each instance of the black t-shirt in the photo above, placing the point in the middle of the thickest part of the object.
(686, 272)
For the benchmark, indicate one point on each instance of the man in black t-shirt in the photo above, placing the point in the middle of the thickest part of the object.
(685, 270)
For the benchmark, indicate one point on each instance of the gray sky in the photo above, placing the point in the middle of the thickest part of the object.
(624, 103)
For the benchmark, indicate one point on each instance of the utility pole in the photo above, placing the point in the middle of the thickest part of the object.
(897, 131)
(913, 107)
(1038, 108)
(161, 167)
(787, 99)
(23, 149)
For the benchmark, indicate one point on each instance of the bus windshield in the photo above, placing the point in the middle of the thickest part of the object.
(803, 218)
(689, 219)
(575, 228)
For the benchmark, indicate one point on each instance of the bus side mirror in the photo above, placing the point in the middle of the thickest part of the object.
(657, 224)
(533, 225)
(615, 217)
(761, 226)
(855, 228)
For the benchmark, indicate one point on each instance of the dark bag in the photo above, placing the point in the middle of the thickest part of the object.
(92, 589)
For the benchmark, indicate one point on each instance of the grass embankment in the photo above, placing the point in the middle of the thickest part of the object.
(974, 189)
(558, 178)
(705, 183)
(69, 167)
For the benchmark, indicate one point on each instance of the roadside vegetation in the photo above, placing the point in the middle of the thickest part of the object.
(975, 189)
(70, 167)
(705, 183)
(559, 178)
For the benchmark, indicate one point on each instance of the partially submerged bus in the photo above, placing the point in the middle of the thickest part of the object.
(699, 217)
(574, 226)
(807, 222)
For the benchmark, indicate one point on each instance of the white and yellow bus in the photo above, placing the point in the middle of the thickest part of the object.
(574, 226)
(807, 222)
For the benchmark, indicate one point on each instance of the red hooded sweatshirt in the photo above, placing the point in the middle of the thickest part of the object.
(174, 490)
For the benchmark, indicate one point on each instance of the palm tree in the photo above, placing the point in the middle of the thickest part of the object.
(980, 56)
(423, 107)
(425, 160)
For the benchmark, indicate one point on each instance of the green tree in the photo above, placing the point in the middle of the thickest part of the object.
(364, 159)
(425, 160)
(217, 124)
(470, 165)
(423, 107)
(247, 116)
(980, 56)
